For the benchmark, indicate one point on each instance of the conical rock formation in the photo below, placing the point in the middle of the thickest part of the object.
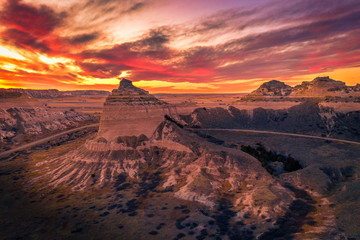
(131, 111)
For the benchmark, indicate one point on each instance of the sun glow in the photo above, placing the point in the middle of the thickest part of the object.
(55, 60)
(125, 74)
(10, 54)
(9, 67)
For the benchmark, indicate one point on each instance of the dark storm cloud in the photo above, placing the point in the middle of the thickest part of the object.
(154, 43)
(83, 38)
(139, 55)
(135, 7)
(106, 70)
(210, 25)
(24, 39)
(201, 57)
(122, 6)
(99, 3)
(27, 25)
(37, 21)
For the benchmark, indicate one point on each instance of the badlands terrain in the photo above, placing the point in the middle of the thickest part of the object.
(180, 166)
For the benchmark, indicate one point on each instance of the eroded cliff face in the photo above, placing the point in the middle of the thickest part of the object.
(182, 162)
(17, 121)
(131, 111)
(305, 118)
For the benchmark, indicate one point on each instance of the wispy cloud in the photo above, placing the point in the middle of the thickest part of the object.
(99, 40)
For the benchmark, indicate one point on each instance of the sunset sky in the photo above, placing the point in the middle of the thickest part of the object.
(177, 46)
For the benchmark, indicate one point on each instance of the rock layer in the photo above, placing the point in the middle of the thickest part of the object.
(17, 121)
(186, 164)
(131, 111)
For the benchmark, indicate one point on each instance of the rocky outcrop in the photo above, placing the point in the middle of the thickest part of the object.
(272, 88)
(18, 121)
(320, 87)
(131, 111)
(323, 88)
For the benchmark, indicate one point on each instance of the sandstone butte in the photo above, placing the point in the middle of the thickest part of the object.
(320, 87)
(132, 111)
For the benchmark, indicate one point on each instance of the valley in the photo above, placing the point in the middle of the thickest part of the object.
(179, 167)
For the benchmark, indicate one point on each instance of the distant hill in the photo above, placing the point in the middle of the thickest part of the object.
(48, 93)
(273, 88)
(321, 87)
(324, 86)
(6, 95)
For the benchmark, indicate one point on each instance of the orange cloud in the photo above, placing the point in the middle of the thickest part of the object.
(66, 45)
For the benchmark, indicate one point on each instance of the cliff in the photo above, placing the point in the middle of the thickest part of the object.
(305, 118)
(27, 121)
(131, 111)
(181, 162)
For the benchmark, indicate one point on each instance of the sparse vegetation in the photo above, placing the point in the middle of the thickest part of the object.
(265, 157)
(201, 184)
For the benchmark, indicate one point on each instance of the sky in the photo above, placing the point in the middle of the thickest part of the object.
(207, 46)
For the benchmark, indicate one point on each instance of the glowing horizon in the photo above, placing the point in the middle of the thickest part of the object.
(173, 46)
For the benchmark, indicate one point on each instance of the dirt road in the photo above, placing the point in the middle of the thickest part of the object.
(202, 129)
(280, 133)
(45, 139)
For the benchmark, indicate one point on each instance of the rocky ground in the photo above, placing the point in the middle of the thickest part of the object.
(22, 124)
(141, 208)
(180, 181)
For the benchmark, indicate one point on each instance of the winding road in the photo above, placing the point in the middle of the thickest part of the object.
(197, 129)
(46, 139)
(280, 133)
